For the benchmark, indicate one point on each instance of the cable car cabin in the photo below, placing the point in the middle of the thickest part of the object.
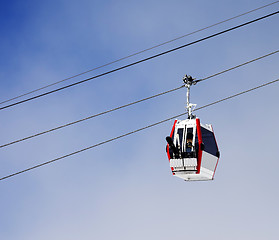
(192, 150)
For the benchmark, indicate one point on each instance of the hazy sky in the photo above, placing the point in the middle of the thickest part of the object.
(125, 189)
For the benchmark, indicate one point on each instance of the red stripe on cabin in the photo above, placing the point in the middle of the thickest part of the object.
(200, 142)
(172, 131)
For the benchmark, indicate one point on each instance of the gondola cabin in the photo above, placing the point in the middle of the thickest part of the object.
(192, 150)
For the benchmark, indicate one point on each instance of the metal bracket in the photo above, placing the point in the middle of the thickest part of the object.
(189, 81)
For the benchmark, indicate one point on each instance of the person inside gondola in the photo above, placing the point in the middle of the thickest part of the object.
(189, 144)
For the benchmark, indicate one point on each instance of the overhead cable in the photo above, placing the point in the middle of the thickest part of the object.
(240, 65)
(137, 53)
(132, 103)
(235, 95)
(140, 61)
(132, 132)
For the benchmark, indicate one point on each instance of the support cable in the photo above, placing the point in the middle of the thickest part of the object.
(132, 132)
(140, 61)
(137, 53)
(240, 65)
(132, 103)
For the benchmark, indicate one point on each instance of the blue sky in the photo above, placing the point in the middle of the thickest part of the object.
(124, 189)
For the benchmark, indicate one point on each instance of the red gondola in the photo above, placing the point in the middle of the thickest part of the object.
(192, 149)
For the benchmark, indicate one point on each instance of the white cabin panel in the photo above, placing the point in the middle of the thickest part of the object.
(209, 161)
